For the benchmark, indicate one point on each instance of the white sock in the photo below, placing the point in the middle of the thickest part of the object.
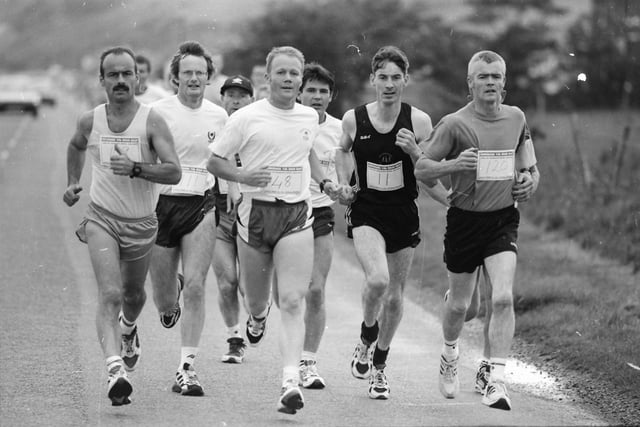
(113, 361)
(290, 373)
(234, 331)
(187, 355)
(450, 349)
(497, 369)
(126, 325)
(308, 355)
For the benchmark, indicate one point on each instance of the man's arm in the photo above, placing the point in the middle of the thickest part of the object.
(227, 169)
(344, 158)
(168, 171)
(408, 141)
(76, 153)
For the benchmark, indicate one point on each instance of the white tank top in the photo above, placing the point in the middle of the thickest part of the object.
(121, 195)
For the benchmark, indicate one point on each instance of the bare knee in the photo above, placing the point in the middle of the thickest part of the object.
(134, 296)
(193, 292)
(228, 289)
(394, 303)
(291, 302)
(111, 297)
(503, 302)
(315, 298)
(377, 283)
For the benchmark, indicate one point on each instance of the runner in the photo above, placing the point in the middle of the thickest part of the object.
(273, 138)
(318, 86)
(382, 138)
(147, 92)
(131, 149)
(487, 150)
(236, 92)
(186, 232)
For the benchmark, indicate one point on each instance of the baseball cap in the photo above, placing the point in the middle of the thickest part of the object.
(237, 81)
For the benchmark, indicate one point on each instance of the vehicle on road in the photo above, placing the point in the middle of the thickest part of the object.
(26, 101)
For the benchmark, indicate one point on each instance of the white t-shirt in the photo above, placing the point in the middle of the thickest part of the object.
(325, 146)
(193, 130)
(152, 94)
(281, 140)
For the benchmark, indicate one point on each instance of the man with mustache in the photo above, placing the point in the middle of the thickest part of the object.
(486, 150)
(132, 151)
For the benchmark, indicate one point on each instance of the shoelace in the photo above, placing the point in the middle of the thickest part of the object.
(363, 354)
(128, 342)
(309, 369)
(256, 326)
(189, 377)
(450, 369)
(380, 380)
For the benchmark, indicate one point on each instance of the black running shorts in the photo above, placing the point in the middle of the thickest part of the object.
(179, 216)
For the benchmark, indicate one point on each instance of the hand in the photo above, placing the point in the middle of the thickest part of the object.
(234, 197)
(332, 190)
(346, 195)
(70, 196)
(256, 178)
(121, 164)
(468, 160)
(523, 188)
(406, 140)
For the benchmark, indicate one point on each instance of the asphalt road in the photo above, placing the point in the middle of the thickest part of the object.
(53, 371)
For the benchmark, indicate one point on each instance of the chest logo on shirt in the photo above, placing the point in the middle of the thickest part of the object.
(364, 137)
(385, 158)
(306, 134)
(211, 135)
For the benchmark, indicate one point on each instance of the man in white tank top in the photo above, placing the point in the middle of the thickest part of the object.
(186, 218)
(131, 150)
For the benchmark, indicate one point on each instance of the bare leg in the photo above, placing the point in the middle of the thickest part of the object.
(315, 313)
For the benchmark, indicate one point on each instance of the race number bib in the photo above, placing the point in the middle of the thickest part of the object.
(385, 177)
(195, 180)
(129, 145)
(495, 165)
(284, 180)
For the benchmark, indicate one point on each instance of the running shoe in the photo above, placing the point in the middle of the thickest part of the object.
(361, 360)
(169, 318)
(482, 377)
(256, 329)
(290, 398)
(130, 349)
(496, 396)
(378, 384)
(309, 377)
(236, 350)
(187, 382)
(448, 382)
(118, 386)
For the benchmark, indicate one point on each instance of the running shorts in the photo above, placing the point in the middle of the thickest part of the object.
(135, 236)
(398, 225)
(227, 228)
(261, 224)
(323, 221)
(179, 216)
(470, 237)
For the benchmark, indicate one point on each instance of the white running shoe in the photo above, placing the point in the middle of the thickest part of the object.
(118, 386)
(361, 361)
(482, 377)
(187, 382)
(496, 396)
(448, 382)
(378, 384)
(309, 377)
(291, 399)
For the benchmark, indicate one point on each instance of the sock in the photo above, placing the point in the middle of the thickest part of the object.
(126, 325)
(290, 374)
(450, 349)
(308, 355)
(380, 357)
(497, 369)
(369, 334)
(113, 361)
(234, 331)
(187, 356)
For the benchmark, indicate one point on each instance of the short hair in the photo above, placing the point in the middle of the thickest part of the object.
(390, 54)
(487, 56)
(141, 59)
(315, 71)
(191, 48)
(284, 50)
(118, 50)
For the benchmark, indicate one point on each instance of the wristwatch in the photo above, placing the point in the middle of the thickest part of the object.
(136, 171)
(322, 183)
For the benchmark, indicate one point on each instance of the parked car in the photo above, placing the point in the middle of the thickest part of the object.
(27, 101)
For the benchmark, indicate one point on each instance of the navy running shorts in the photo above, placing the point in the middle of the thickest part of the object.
(323, 221)
(179, 216)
